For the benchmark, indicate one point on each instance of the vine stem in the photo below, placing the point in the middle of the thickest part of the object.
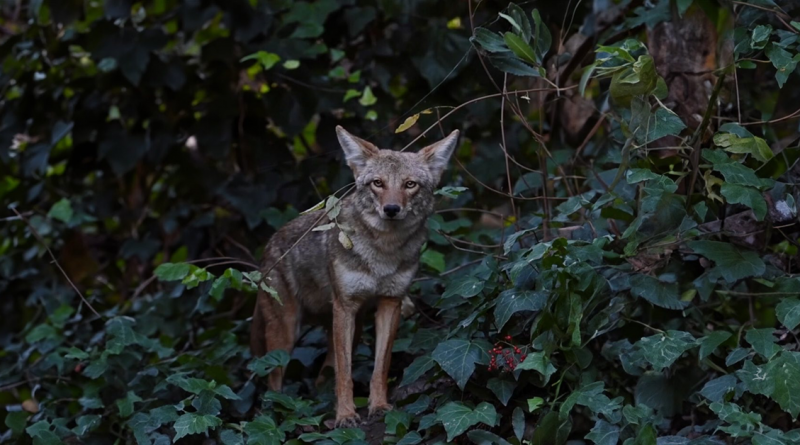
(55, 261)
(694, 142)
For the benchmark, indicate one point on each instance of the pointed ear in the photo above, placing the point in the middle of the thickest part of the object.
(438, 154)
(356, 150)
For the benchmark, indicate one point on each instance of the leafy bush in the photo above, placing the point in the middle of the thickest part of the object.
(613, 261)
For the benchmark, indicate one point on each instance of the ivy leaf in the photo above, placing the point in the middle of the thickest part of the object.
(266, 59)
(61, 210)
(367, 98)
(760, 36)
(520, 47)
(539, 362)
(752, 145)
(125, 404)
(511, 301)
(763, 342)
(788, 312)
(661, 350)
(518, 423)
(457, 358)
(748, 196)
(731, 263)
(489, 40)
(758, 379)
(263, 431)
(481, 437)
(172, 271)
(501, 388)
(711, 342)
(190, 423)
(467, 288)
(666, 295)
(786, 376)
(412, 438)
(715, 390)
(457, 417)
(604, 433)
(433, 259)
(783, 62)
(417, 369)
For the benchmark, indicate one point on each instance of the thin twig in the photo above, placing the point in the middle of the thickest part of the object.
(55, 261)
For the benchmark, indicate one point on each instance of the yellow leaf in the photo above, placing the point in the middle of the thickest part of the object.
(454, 23)
(410, 121)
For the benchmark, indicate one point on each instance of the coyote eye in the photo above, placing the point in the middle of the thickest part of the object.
(410, 184)
(377, 183)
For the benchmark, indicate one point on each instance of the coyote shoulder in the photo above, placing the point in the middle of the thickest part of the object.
(320, 281)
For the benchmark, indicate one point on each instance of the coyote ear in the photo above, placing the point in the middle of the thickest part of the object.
(438, 154)
(356, 150)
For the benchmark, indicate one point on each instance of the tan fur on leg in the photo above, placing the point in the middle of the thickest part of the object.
(387, 319)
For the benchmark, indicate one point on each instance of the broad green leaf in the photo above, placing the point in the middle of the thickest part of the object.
(715, 390)
(501, 388)
(367, 98)
(508, 63)
(481, 437)
(266, 59)
(395, 418)
(520, 47)
(262, 366)
(788, 312)
(417, 369)
(730, 262)
(763, 341)
(787, 383)
(172, 272)
(511, 301)
(16, 421)
(412, 438)
(783, 61)
(534, 404)
(539, 362)
(736, 356)
(291, 64)
(433, 259)
(467, 288)
(518, 423)
(513, 238)
(61, 210)
(758, 379)
(666, 295)
(711, 342)
(457, 358)
(604, 433)
(541, 36)
(190, 423)
(489, 41)
(748, 196)
(457, 417)
(661, 350)
(752, 145)
(263, 431)
(519, 16)
(760, 36)
(486, 414)
(450, 191)
(349, 94)
(125, 404)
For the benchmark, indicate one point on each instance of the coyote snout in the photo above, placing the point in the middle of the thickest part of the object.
(316, 276)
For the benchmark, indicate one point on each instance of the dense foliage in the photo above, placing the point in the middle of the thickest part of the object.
(615, 258)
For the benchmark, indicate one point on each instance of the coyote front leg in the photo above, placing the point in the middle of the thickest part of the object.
(344, 326)
(387, 319)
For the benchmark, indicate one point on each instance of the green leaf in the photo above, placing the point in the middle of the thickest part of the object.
(457, 417)
(508, 63)
(539, 362)
(758, 379)
(190, 423)
(367, 98)
(467, 288)
(731, 263)
(489, 41)
(457, 358)
(412, 438)
(263, 431)
(520, 47)
(788, 312)
(125, 404)
(760, 36)
(748, 196)
(521, 19)
(786, 377)
(61, 210)
(417, 369)
(736, 356)
(604, 433)
(711, 342)
(266, 59)
(585, 77)
(666, 295)
(541, 36)
(291, 64)
(518, 423)
(481, 437)
(511, 301)
(395, 418)
(763, 341)
(501, 388)
(16, 421)
(715, 390)
(534, 404)
(350, 94)
(450, 191)
(648, 127)
(433, 259)
(752, 145)
(661, 350)
(172, 272)
(783, 62)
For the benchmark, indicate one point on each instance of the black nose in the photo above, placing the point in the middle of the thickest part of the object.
(391, 210)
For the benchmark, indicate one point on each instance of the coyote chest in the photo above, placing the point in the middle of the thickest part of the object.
(371, 273)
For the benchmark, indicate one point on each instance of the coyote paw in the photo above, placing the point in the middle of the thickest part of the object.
(348, 421)
(379, 410)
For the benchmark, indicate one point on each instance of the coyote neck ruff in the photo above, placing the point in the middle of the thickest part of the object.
(319, 280)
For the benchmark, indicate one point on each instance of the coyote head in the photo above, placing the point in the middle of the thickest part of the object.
(394, 185)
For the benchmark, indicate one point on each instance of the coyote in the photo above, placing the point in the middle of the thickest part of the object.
(322, 281)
